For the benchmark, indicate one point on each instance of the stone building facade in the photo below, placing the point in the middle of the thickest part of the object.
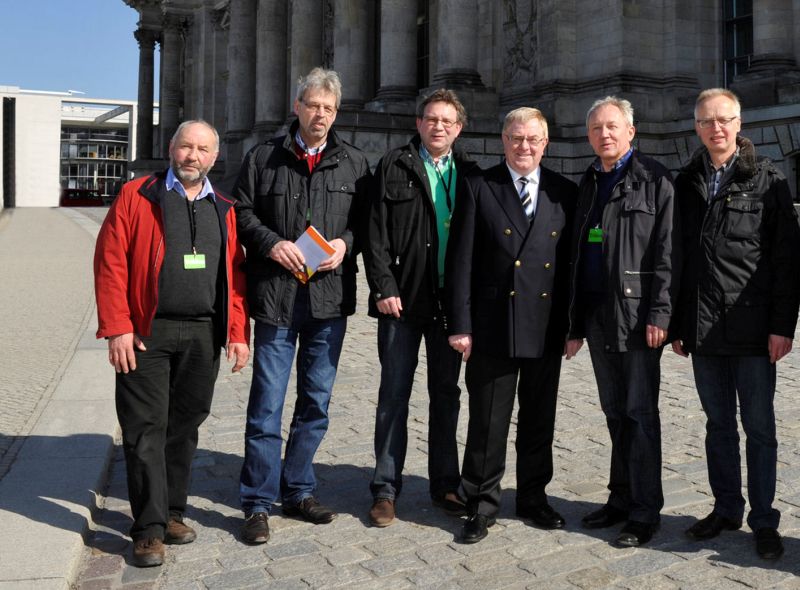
(235, 63)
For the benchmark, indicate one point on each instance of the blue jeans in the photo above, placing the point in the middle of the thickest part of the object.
(262, 478)
(719, 379)
(628, 384)
(398, 350)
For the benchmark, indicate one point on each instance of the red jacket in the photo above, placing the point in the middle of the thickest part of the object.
(129, 254)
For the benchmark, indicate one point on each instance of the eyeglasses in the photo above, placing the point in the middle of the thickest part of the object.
(518, 140)
(434, 122)
(323, 109)
(723, 122)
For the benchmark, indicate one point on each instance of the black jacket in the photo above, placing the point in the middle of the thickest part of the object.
(507, 279)
(400, 256)
(275, 191)
(640, 258)
(740, 280)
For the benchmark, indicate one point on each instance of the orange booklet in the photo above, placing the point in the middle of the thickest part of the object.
(315, 250)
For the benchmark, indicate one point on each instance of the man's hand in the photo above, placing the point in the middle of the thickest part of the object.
(337, 257)
(390, 305)
(239, 351)
(655, 336)
(120, 351)
(288, 256)
(461, 343)
(677, 348)
(779, 347)
(571, 347)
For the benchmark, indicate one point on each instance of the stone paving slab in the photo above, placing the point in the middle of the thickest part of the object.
(422, 549)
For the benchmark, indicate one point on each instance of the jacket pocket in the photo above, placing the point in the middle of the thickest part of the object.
(400, 201)
(746, 319)
(636, 288)
(742, 217)
(340, 196)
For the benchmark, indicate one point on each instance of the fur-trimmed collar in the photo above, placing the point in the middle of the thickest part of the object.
(745, 164)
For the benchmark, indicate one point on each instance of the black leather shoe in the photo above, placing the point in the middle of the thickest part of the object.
(604, 517)
(768, 543)
(476, 528)
(711, 526)
(255, 529)
(311, 510)
(636, 534)
(542, 516)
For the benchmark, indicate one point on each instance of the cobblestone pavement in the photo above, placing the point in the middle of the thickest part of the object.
(37, 322)
(422, 549)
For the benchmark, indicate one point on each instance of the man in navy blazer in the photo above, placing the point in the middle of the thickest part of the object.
(507, 281)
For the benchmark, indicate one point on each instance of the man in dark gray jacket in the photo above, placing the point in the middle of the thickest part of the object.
(624, 278)
(412, 203)
(737, 310)
(309, 177)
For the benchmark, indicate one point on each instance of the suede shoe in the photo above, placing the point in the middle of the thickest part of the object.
(711, 526)
(451, 503)
(768, 543)
(310, 510)
(542, 515)
(604, 517)
(382, 512)
(148, 552)
(636, 534)
(476, 528)
(255, 529)
(178, 533)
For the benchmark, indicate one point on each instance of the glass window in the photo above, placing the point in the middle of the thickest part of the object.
(738, 37)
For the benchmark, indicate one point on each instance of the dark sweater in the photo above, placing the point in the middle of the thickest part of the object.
(189, 293)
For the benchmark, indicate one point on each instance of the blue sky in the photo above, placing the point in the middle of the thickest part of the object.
(85, 45)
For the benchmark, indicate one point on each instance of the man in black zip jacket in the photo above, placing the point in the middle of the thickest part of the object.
(737, 310)
(624, 281)
(413, 197)
(309, 177)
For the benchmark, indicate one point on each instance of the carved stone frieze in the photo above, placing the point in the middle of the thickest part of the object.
(521, 40)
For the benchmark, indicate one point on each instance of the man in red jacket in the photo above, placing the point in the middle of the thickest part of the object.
(170, 293)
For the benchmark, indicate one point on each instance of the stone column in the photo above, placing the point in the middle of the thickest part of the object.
(351, 57)
(190, 57)
(144, 127)
(271, 37)
(457, 48)
(241, 76)
(398, 74)
(305, 40)
(170, 102)
(773, 76)
(220, 68)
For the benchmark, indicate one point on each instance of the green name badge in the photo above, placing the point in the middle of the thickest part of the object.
(595, 235)
(194, 261)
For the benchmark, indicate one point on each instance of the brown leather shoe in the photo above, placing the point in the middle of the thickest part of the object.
(148, 552)
(382, 512)
(178, 533)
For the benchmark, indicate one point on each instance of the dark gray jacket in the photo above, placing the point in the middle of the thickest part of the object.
(640, 260)
(275, 192)
(740, 258)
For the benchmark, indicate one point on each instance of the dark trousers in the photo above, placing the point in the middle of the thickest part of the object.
(160, 406)
(628, 384)
(398, 350)
(492, 383)
(719, 380)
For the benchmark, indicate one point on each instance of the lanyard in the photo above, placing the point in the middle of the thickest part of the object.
(447, 184)
(192, 212)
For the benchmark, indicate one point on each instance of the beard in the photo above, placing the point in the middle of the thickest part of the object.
(190, 175)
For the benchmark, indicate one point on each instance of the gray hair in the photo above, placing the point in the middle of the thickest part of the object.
(320, 79)
(186, 124)
(523, 115)
(623, 105)
(713, 93)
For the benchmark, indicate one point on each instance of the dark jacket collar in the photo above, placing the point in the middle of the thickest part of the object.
(334, 143)
(745, 165)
